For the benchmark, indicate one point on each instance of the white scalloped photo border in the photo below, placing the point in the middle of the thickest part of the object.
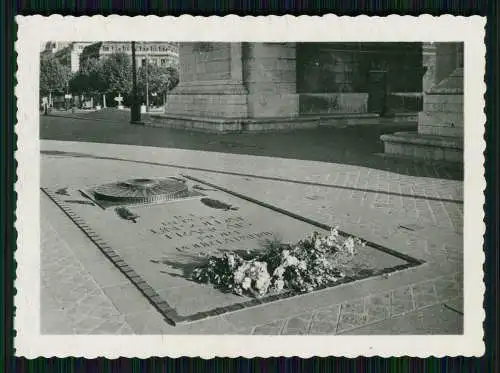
(33, 30)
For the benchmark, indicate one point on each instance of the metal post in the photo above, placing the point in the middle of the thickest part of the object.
(135, 109)
(66, 102)
(147, 83)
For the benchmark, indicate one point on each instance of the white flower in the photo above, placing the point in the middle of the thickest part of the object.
(279, 271)
(349, 245)
(239, 274)
(262, 284)
(285, 253)
(247, 282)
(334, 232)
(261, 266)
(279, 284)
(291, 261)
(318, 243)
(331, 241)
(302, 265)
(231, 261)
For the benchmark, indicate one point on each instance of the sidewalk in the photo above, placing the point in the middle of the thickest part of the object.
(419, 213)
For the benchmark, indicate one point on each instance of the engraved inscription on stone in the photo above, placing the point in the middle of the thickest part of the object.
(208, 231)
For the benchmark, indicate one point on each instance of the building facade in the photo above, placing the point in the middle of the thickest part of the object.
(72, 53)
(52, 47)
(158, 53)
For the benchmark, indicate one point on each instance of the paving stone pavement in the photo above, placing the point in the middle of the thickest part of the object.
(71, 301)
(397, 304)
(420, 216)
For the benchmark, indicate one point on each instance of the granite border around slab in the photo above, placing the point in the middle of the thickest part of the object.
(170, 314)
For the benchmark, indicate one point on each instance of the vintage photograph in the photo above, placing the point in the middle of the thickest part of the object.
(250, 188)
(360, 186)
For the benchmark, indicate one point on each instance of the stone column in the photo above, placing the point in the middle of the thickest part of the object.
(449, 56)
(429, 63)
(441, 122)
(270, 76)
(211, 82)
(442, 113)
(234, 87)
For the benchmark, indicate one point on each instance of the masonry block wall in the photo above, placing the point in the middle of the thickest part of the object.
(240, 82)
(441, 121)
(269, 76)
(211, 82)
(206, 62)
(329, 79)
(429, 64)
(442, 114)
(349, 77)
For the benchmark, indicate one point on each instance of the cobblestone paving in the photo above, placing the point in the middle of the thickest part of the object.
(71, 300)
(357, 313)
(418, 215)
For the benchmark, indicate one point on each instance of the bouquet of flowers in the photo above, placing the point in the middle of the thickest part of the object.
(309, 264)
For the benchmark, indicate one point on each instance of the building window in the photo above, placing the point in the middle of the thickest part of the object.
(163, 61)
(143, 62)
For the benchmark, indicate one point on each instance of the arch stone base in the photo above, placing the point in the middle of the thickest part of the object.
(440, 134)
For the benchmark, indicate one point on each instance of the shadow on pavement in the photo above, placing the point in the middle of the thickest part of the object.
(356, 145)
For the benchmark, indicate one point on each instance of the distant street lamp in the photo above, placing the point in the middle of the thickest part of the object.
(135, 109)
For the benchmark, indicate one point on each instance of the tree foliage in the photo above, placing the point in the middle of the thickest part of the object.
(89, 79)
(161, 80)
(112, 76)
(54, 76)
(117, 74)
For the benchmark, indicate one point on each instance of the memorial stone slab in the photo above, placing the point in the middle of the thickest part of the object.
(156, 231)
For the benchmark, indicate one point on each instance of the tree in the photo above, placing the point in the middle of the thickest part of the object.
(117, 74)
(54, 76)
(89, 79)
(161, 80)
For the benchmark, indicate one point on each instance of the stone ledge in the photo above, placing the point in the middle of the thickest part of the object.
(401, 117)
(427, 147)
(220, 87)
(225, 125)
(348, 119)
(429, 140)
(332, 103)
(238, 124)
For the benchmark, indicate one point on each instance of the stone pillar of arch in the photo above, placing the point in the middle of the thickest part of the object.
(441, 122)
(235, 86)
